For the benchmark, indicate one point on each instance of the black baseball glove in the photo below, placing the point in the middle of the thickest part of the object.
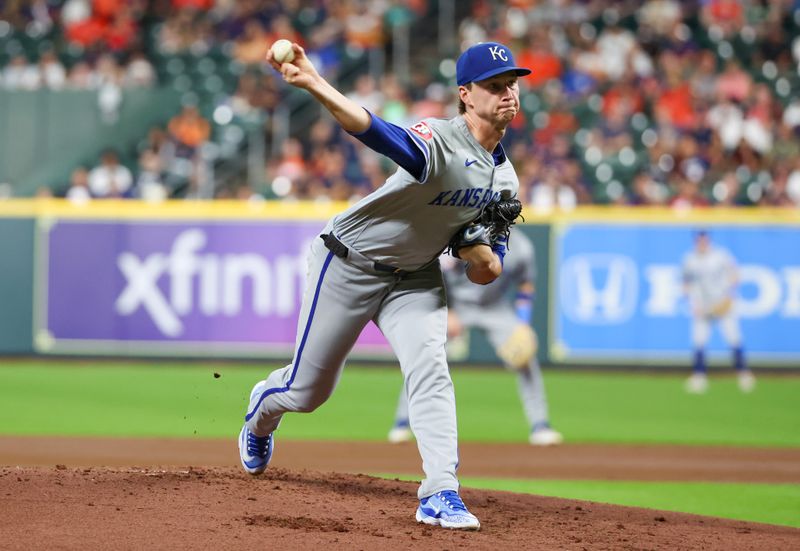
(499, 216)
(491, 227)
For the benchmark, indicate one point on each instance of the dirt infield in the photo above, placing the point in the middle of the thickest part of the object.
(85, 494)
(570, 461)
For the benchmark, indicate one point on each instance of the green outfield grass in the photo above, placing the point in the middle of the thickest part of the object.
(132, 399)
(769, 503)
(174, 400)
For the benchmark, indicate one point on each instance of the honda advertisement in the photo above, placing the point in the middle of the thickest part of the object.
(618, 293)
(161, 288)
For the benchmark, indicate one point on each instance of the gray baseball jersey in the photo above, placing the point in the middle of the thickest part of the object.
(711, 279)
(405, 224)
(710, 276)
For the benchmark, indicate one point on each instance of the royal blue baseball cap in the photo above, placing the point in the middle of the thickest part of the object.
(485, 60)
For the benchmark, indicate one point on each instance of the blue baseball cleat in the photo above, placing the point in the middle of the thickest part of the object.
(255, 451)
(446, 509)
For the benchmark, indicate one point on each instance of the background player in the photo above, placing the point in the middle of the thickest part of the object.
(502, 310)
(710, 282)
(379, 261)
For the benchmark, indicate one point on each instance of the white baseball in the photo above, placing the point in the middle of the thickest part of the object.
(282, 51)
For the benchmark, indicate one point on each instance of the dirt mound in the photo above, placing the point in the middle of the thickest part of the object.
(570, 461)
(222, 508)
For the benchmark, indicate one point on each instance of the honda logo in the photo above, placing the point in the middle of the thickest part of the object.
(599, 289)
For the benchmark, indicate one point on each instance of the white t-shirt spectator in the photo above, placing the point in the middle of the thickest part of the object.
(54, 75)
(110, 180)
(19, 75)
(548, 197)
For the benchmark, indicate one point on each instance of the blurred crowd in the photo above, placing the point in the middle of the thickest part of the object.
(666, 102)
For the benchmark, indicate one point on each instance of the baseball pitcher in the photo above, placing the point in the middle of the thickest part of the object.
(378, 261)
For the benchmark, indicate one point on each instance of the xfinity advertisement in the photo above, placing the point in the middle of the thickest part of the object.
(146, 287)
(618, 292)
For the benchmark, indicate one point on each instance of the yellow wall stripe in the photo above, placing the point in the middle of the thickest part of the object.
(304, 210)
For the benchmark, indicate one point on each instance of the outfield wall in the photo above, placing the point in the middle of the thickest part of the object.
(224, 279)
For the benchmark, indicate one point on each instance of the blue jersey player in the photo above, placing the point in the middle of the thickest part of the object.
(378, 261)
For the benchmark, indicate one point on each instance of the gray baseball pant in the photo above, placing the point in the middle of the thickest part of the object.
(341, 296)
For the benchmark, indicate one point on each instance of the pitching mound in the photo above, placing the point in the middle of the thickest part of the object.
(222, 508)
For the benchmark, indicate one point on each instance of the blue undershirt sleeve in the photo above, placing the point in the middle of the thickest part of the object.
(398, 144)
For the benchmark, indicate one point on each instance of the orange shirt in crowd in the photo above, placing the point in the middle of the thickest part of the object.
(197, 4)
(676, 104)
(106, 8)
(544, 66)
(190, 129)
(726, 10)
(88, 31)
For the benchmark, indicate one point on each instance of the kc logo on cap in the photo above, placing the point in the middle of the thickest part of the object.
(485, 60)
(498, 52)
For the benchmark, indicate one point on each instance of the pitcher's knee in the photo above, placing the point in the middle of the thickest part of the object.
(310, 401)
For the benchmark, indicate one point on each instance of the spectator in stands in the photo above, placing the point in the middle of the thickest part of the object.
(540, 54)
(363, 24)
(82, 76)
(551, 193)
(292, 165)
(18, 74)
(366, 94)
(52, 72)
(727, 120)
(139, 72)
(725, 192)
(75, 11)
(396, 106)
(645, 191)
(687, 194)
(793, 183)
(660, 16)
(734, 84)
(185, 30)
(723, 18)
(188, 130)
(703, 81)
(786, 146)
(150, 180)
(251, 47)
(78, 190)
(122, 32)
(655, 88)
(110, 179)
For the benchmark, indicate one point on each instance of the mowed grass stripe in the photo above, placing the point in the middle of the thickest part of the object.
(186, 400)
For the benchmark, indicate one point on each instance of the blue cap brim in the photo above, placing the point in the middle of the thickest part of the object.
(520, 72)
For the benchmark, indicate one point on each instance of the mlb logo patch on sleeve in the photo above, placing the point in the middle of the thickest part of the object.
(422, 130)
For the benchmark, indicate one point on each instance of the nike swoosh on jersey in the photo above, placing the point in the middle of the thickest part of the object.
(467, 162)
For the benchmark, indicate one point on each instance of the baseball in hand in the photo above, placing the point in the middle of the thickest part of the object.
(282, 51)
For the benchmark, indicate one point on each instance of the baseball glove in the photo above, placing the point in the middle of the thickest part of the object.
(498, 216)
(721, 308)
(492, 226)
(473, 234)
(518, 350)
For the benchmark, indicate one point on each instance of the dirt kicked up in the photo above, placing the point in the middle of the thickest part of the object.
(80, 496)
